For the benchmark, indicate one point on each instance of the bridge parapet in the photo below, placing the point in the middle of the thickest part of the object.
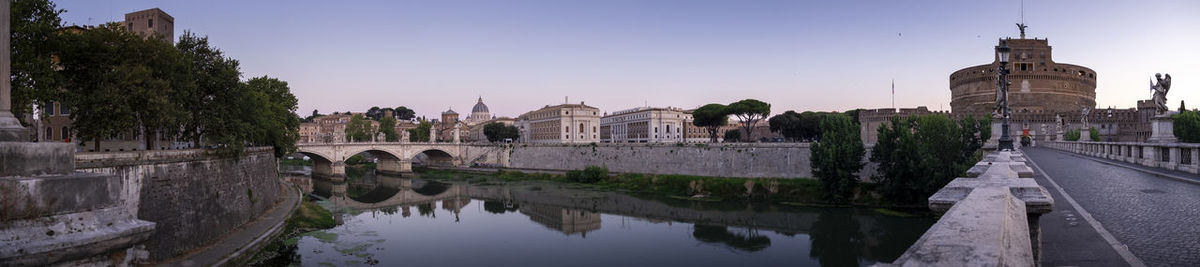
(990, 219)
(1172, 156)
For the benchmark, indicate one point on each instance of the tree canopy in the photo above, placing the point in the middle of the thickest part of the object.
(35, 40)
(920, 154)
(749, 112)
(497, 132)
(711, 117)
(403, 113)
(838, 157)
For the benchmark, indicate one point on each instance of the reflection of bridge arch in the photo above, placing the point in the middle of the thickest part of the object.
(403, 193)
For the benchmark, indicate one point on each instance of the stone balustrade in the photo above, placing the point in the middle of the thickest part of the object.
(1171, 156)
(990, 218)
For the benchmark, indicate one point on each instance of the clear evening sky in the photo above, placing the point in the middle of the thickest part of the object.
(616, 54)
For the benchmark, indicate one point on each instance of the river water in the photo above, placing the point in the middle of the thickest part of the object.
(409, 221)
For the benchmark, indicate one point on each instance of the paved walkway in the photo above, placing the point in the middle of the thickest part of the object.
(1155, 217)
(239, 241)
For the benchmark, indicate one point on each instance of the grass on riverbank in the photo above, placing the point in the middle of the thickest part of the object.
(796, 192)
(307, 218)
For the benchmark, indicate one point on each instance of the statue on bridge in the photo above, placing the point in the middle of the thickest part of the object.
(1083, 119)
(1160, 92)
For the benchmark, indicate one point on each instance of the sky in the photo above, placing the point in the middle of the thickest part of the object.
(619, 54)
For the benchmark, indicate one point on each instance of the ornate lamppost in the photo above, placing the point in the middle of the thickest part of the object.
(1002, 53)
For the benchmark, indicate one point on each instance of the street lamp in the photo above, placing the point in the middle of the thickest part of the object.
(1110, 124)
(1002, 54)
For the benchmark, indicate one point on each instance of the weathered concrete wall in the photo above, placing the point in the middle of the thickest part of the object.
(759, 160)
(192, 197)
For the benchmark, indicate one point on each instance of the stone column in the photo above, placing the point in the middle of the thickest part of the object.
(10, 128)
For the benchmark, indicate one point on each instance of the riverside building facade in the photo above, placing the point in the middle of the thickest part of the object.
(565, 123)
(644, 125)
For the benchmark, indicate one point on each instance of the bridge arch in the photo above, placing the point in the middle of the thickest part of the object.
(323, 165)
(434, 157)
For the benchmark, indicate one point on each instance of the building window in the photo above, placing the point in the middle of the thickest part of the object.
(63, 109)
(49, 133)
(49, 109)
(150, 24)
(66, 134)
(581, 128)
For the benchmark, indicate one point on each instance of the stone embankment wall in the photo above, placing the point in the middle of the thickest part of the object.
(757, 160)
(193, 198)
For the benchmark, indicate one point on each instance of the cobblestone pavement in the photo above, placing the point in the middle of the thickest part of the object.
(1156, 217)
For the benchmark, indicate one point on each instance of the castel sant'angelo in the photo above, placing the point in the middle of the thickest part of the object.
(1044, 96)
(1038, 83)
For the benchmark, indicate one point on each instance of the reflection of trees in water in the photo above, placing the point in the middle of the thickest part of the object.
(426, 210)
(498, 207)
(836, 240)
(749, 241)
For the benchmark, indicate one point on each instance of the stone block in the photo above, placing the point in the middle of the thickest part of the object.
(34, 159)
(32, 197)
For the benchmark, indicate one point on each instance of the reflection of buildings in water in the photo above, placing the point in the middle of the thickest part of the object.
(568, 221)
(748, 241)
(304, 182)
(455, 205)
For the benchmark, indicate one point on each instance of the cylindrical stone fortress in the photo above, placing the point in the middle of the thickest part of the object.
(1038, 83)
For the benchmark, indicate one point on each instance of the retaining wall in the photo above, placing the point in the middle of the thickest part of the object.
(194, 198)
(758, 160)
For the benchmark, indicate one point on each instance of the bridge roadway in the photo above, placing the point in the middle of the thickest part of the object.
(1156, 217)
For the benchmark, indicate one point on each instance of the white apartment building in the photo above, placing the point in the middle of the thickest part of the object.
(645, 125)
(565, 123)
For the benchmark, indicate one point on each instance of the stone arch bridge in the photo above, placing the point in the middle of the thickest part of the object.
(397, 157)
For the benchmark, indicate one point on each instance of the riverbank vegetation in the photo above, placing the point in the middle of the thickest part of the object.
(308, 219)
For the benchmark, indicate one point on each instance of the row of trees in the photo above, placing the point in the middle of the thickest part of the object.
(115, 80)
(916, 155)
(804, 126)
(713, 116)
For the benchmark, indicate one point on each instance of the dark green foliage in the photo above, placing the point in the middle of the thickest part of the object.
(837, 157)
(35, 38)
(359, 129)
(918, 155)
(589, 175)
(387, 126)
(749, 111)
(733, 135)
(212, 101)
(1094, 134)
(356, 160)
(1187, 126)
(1072, 135)
(270, 110)
(421, 133)
(403, 113)
(374, 113)
(711, 117)
(497, 132)
(794, 126)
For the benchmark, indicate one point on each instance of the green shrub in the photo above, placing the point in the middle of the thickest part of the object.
(1072, 135)
(589, 175)
(918, 155)
(1094, 134)
(356, 160)
(1187, 126)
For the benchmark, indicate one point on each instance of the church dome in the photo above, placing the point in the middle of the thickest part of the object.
(479, 107)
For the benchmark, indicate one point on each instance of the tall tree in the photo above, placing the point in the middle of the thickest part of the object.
(733, 135)
(403, 113)
(918, 155)
(213, 101)
(94, 73)
(387, 126)
(374, 113)
(711, 117)
(749, 112)
(358, 129)
(35, 40)
(421, 133)
(786, 124)
(272, 114)
(837, 157)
